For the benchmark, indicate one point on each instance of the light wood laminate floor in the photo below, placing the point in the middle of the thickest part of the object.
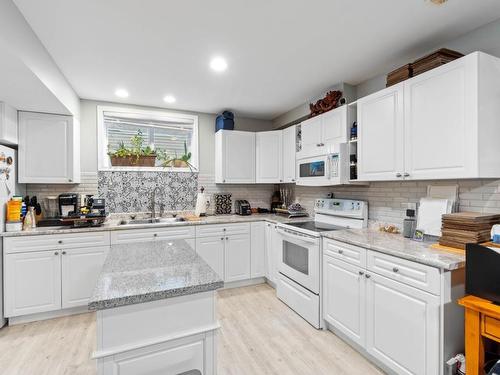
(259, 335)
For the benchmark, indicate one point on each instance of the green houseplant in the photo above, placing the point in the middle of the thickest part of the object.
(177, 162)
(134, 156)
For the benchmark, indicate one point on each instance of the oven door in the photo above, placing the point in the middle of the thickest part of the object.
(299, 258)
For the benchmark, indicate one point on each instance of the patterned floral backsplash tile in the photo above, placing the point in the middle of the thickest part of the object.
(131, 191)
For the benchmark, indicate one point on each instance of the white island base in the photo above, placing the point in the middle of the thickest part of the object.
(165, 337)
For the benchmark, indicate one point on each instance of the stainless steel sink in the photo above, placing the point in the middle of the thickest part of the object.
(164, 220)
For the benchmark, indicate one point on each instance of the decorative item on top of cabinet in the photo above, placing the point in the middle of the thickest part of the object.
(330, 101)
(48, 148)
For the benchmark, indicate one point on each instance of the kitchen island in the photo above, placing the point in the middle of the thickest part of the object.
(156, 312)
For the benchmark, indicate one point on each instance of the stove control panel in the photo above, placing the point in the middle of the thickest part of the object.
(342, 207)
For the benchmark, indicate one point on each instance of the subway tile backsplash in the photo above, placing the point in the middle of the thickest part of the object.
(387, 200)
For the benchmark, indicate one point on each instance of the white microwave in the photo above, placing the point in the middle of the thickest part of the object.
(325, 170)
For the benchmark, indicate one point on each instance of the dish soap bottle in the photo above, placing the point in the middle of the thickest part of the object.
(409, 224)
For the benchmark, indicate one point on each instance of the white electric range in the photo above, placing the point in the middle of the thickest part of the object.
(299, 260)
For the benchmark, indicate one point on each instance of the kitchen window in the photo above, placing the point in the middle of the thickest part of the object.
(133, 139)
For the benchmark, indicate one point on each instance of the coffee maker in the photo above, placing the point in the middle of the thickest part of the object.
(68, 204)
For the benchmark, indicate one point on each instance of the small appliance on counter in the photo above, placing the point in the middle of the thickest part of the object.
(242, 207)
(68, 204)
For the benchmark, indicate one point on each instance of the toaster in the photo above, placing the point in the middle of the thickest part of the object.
(242, 207)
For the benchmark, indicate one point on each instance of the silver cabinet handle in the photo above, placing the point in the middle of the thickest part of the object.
(395, 269)
(64, 253)
(155, 235)
(368, 276)
(227, 238)
(293, 179)
(406, 174)
(59, 242)
(56, 253)
(341, 251)
(399, 175)
(361, 273)
(223, 180)
(224, 229)
(222, 238)
(70, 180)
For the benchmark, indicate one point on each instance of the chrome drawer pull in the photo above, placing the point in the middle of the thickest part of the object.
(395, 269)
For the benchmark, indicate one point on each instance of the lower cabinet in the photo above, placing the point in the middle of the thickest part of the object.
(237, 258)
(211, 249)
(80, 269)
(258, 249)
(32, 282)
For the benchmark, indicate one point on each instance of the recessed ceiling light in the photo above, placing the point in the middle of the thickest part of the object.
(121, 93)
(219, 64)
(169, 99)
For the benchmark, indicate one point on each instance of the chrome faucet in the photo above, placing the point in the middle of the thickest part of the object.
(153, 197)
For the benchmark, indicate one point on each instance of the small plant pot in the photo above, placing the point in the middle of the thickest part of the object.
(133, 161)
(177, 164)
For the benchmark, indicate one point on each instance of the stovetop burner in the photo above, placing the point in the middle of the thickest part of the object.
(315, 227)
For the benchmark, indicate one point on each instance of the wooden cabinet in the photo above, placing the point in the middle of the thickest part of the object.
(258, 249)
(321, 132)
(49, 148)
(8, 124)
(211, 249)
(237, 258)
(32, 282)
(441, 124)
(344, 299)
(234, 157)
(269, 157)
(402, 326)
(380, 135)
(289, 150)
(80, 269)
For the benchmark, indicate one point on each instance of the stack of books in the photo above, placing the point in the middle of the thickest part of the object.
(461, 228)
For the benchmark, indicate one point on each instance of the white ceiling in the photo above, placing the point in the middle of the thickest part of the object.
(280, 52)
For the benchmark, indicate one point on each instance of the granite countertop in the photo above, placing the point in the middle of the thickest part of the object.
(112, 224)
(150, 271)
(397, 245)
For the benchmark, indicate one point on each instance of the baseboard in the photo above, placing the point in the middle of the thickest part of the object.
(241, 283)
(47, 315)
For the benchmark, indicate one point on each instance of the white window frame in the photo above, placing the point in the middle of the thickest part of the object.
(103, 161)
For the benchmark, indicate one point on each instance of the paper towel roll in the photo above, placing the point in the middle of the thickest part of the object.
(201, 204)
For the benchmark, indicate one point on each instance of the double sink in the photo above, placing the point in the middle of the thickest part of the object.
(152, 221)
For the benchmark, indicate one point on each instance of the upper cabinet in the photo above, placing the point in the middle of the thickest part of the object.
(49, 149)
(380, 135)
(269, 157)
(234, 157)
(289, 149)
(321, 132)
(441, 124)
(8, 124)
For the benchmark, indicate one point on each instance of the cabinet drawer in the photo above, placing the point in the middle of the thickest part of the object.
(348, 253)
(55, 241)
(222, 229)
(491, 327)
(150, 234)
(402, 270)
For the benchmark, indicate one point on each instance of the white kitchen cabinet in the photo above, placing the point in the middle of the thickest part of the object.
(237, 257)
(234, 157)
(152, 234)
(49, 148)
(402, 326)
(8, 124)
(273, 252)
(258, 249)
(344, 298)
(80, 269)
(441, 124)
(269, 157)
(211, 249)
(381, 135)
(321, 132)
(289, 150)
(32, 282)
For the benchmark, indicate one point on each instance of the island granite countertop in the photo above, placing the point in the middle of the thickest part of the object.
(150, 271)
(399, 246)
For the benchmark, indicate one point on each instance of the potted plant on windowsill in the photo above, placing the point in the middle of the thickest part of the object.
(177, 162)
(135, 156)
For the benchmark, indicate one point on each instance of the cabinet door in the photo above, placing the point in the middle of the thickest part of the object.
(344, 291)
(32, 282)
(289, 147)
(269, 253)
(236, 158)
(402, 326)
(380, 134)
(80, 269)
(46, 148)
(269, 153)
(334, 127)
(211, 249)
(237, 258)
(8, 124)
(440, 135)
(258, 250)
(311, 137)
